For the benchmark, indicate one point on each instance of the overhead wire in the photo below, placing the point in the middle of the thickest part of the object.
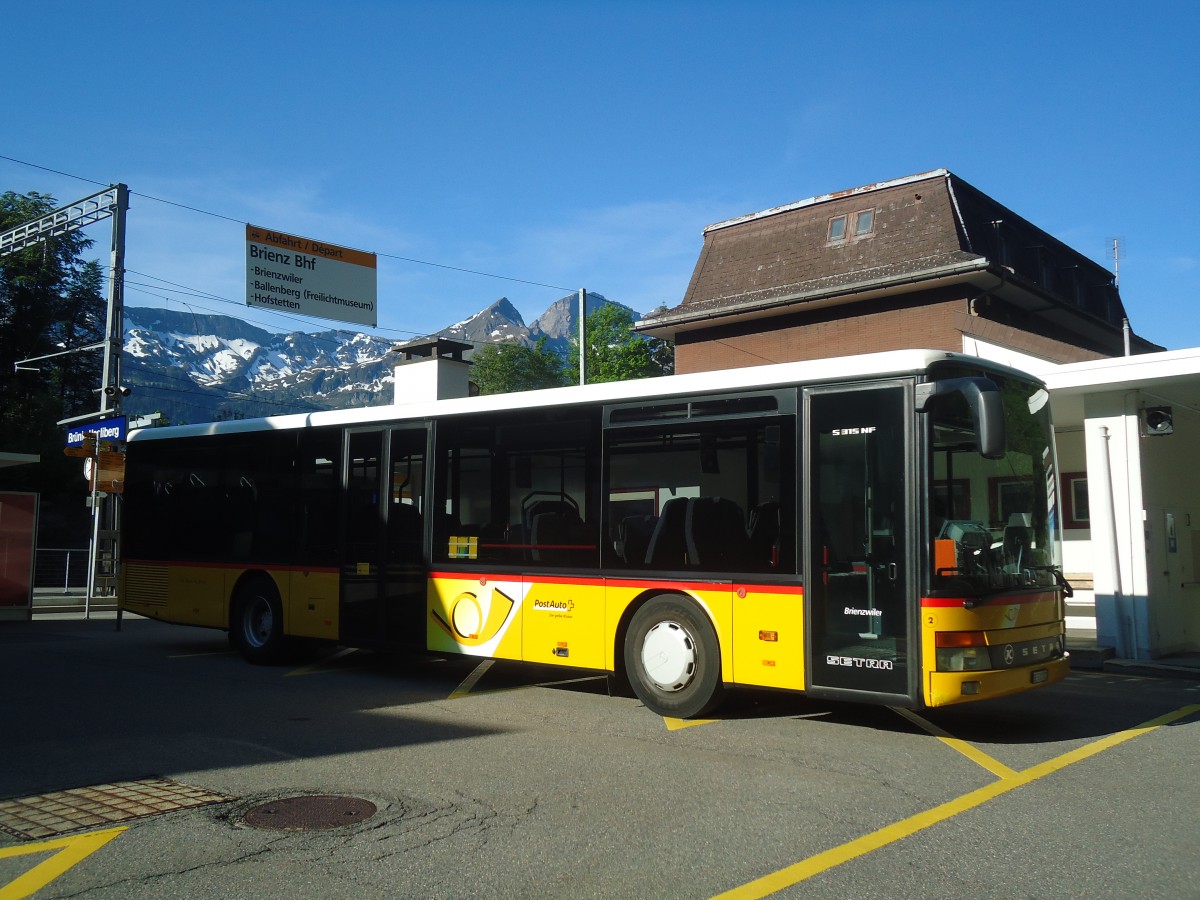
(192, 292)
(199, 293)
(216, 215)
(315, 336)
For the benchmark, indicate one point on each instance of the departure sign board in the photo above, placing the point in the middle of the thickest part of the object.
(287, 273)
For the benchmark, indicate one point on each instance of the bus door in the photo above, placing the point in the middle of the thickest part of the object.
(859, 628)
(383, 574)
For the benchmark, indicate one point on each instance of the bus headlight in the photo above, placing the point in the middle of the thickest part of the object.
(962, 651)
(963, 659)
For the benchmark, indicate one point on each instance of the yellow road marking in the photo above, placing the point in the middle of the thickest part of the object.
(997, 768)
(676, 724)
(814, 865)
(322, 665)
(469, 682)
(563, 681)
(71, 851)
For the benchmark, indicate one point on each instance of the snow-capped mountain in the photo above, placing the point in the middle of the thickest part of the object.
(499, 322)
(502, 322)
(198, 368)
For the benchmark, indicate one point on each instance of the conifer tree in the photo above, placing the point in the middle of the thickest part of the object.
(51, 300)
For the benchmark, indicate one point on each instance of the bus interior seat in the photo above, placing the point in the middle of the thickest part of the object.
(633, 538)
(493, 541)
(715, 531)
(560, 537)
(667, 547)
(1018, 539)
(764, 530)
(520, 532)
(563, 505)
(541, 506)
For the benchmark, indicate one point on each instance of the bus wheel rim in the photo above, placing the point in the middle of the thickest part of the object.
(259, 621)
(669, 656)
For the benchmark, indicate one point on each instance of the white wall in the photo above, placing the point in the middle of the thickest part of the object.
(1147, 594)
(1118, 543)
(1171, 487)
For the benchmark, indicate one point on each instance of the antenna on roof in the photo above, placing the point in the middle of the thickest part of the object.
(1116, 255)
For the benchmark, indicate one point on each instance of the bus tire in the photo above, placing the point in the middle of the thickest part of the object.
(256, 623)
(673, 659)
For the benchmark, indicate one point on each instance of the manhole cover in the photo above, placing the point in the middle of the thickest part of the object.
(310, 813)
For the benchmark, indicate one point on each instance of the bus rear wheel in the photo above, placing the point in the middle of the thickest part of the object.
(673, 659)
(256, 624)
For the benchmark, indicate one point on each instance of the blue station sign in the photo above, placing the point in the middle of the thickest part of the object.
(104, 430)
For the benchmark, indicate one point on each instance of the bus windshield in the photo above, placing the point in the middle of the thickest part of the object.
(993, 522)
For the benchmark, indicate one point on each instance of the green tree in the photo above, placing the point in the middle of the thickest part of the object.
(50, 301)
(615, 352)
(81, 321)
(503, 368)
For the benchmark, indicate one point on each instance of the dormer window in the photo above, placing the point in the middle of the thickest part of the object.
(864, 223)
(856, 225)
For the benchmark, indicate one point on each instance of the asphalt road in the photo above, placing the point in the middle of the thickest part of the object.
(506, 780)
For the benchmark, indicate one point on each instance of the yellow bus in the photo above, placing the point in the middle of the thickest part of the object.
(880, 528)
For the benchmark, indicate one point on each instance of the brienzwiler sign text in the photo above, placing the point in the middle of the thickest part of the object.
(294, 274)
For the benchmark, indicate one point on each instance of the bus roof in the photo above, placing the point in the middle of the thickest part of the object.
(833, 369)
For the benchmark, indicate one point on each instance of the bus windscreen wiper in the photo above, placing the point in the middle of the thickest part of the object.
(1029, 584)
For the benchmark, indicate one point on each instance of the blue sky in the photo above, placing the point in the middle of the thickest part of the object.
(588, 144)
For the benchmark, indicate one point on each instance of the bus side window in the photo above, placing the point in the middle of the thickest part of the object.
(713, 496)
(406, 498)
(241, 507)
(518, 491)
(316, 498)
(765, 531)
(272, 470)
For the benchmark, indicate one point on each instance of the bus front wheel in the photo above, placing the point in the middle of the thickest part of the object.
(673, 659)
(257, 623)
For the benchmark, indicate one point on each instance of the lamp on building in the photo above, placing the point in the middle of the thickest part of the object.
(1157, 420)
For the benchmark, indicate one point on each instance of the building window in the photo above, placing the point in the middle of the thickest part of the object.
(952, 499)
(1008, 495)
(1076, 512)
(857, 225)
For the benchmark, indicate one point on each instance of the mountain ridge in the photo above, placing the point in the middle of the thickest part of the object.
(206, 367)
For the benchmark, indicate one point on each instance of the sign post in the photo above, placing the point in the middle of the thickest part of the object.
(287, 273)
(98, 443)
(103, 430)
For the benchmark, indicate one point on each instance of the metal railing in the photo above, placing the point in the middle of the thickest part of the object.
(62, 569)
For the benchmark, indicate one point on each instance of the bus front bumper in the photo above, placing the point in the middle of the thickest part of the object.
(947, 688)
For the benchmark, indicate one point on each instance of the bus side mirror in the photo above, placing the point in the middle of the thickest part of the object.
(987, 410)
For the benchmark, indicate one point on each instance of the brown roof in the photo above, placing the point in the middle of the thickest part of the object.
(926, 228)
